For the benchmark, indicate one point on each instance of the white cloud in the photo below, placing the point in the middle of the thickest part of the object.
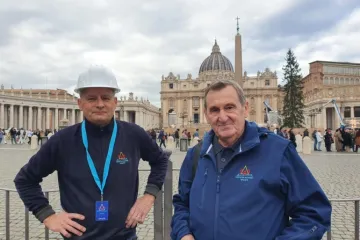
(48, 43)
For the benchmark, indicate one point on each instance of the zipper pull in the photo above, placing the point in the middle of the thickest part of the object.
(218, 184)
(206, 172)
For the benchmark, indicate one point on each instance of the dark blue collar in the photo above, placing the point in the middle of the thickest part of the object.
(96, 130)
(248, 140)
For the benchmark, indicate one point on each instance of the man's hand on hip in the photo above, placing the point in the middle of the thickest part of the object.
(188, 237)
(140, 210)
(63, 223)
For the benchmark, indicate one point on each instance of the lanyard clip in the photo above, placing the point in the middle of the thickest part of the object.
(102, 198)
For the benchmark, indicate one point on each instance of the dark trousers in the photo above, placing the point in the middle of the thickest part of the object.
(328, 147)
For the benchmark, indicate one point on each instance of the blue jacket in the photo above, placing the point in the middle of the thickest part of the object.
(65, 153)
(252, 198)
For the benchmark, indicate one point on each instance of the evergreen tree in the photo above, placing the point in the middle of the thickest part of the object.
(293, 112)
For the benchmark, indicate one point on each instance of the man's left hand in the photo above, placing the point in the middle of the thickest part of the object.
(140, 210)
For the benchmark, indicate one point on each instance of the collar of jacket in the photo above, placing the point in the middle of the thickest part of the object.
(250, 139)
(96, 130)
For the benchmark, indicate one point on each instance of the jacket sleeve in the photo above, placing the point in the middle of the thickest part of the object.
(306, 203)
(158, 161)
(180, 221)
(28, 179)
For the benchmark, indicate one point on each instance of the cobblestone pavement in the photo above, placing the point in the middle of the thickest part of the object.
(337, 173)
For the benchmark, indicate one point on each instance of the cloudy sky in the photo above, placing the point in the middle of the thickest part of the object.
(46, 44)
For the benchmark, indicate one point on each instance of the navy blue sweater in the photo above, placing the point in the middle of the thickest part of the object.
(65, 153)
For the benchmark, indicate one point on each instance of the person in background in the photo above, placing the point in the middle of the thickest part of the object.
(357, 140)
(319, 139)
(328, 140)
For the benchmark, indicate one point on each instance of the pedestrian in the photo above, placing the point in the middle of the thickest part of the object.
(97, 166)
(328, 139)
(245, 182)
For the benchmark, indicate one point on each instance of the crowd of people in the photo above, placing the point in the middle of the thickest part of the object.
(345, 139)
(161, 136)
(22, 136)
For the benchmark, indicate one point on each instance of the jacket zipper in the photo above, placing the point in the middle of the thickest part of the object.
(203, 187)
(217, 203)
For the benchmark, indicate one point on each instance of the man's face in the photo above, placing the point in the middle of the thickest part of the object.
(98, 105)
(225, 113)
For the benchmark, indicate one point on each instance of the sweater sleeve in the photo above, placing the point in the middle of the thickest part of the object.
(28, 179)
(306, 203)
(158, 161)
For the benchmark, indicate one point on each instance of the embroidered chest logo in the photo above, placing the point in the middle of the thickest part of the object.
(244, 175)
(121, 159)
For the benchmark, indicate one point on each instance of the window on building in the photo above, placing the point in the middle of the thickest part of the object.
(184, 86)
(196, 101)
(171, 85)
(356, 111)
(267, 82)
(347, 112)
(196, 118)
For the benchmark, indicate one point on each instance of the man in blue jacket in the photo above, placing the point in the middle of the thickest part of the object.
(249, 184)
(97, 166)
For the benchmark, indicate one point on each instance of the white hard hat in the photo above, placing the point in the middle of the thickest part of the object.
(97, 76)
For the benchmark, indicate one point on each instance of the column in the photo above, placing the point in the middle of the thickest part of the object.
(351, 112)
(30, 118)
(73, 116)
(21, 116)
(39, 118)
(56, 122)
(47, 118)
(191, 110)
(323, 119)
(2, 116)
(11, 116)
(201, 110)
(81, 116)
(137, 118)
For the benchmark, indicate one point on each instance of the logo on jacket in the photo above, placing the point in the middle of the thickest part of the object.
(121, 159)
(244, 175)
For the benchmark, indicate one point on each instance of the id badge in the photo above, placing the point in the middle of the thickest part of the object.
(101, 211)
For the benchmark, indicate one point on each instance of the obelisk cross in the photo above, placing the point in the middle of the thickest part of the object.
(237, 23)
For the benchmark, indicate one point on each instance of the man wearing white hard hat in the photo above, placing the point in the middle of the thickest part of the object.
(97, 166)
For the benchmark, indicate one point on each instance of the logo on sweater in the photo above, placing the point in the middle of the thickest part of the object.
(121, 158)
(244, 175)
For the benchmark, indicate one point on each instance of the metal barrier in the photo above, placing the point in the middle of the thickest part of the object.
(162, 211)
(356, 216)
(162, 208)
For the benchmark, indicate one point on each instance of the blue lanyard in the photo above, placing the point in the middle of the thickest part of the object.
(101, 185)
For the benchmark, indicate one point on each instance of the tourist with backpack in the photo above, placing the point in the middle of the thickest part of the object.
(244, 182)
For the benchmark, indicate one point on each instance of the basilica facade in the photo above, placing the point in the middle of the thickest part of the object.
(182, 99)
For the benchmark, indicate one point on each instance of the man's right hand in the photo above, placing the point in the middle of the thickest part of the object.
(188, 237)
(62, 223)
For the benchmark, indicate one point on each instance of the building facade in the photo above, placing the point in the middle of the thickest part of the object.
(50, 109)
(182, 100)
(332, 81)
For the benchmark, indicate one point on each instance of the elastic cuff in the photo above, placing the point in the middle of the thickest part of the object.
(44, 213)
(152, 189)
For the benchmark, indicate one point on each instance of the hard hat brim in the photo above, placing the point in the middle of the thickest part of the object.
(77, 90)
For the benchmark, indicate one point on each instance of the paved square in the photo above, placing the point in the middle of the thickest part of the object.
(338, 174)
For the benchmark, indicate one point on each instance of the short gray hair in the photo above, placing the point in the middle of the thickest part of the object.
(221, 84)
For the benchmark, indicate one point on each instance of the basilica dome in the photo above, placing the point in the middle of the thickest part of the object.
(216, 61)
